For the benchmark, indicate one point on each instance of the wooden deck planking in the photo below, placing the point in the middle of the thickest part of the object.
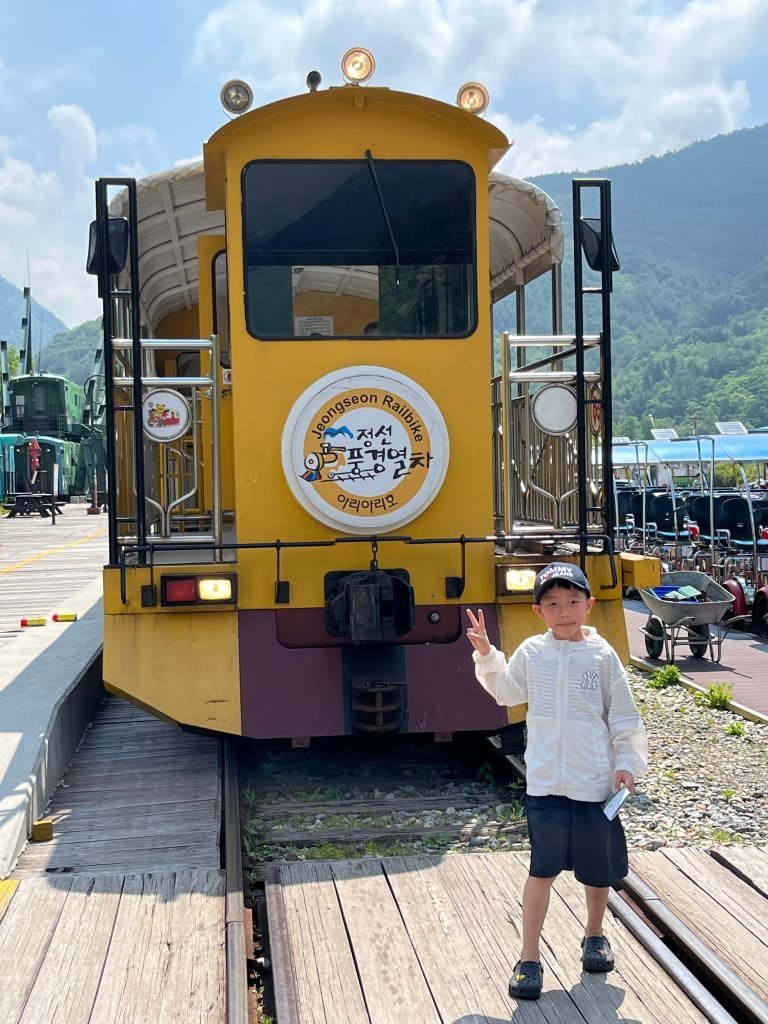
(42, 565)
(749, 863)
(108, 949)
(327, 984)
(70, 972)
(392, 981)
(127, 817)
(25, 934)
(436, 939)
(743, 665)
(726, 912)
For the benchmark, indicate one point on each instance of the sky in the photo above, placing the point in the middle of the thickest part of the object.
(89, 90)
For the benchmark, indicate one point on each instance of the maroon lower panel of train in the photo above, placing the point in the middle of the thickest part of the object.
(298, 683)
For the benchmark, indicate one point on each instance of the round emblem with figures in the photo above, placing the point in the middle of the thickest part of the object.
(365, 449)
(165, 415)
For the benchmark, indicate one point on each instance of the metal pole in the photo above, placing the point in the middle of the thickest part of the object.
(138, 432)
(102, 237)
(581, 409)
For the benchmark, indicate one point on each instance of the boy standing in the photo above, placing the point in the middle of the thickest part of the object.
(585, 740)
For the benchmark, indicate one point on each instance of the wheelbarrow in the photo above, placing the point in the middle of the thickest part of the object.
(685, 623)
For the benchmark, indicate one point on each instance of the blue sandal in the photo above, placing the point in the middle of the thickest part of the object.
(527, 980)
(596, 954)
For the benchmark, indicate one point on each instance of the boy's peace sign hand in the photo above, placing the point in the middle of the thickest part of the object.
(476, 633)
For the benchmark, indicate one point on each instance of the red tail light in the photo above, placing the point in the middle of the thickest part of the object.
(180, 590)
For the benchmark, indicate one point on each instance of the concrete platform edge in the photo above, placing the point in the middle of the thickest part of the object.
(69, 719)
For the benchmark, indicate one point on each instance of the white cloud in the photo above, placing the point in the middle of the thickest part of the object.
(46, 211)
(653, 73)
(78, 137)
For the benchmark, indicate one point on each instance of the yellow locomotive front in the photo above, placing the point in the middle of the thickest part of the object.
(313, 502)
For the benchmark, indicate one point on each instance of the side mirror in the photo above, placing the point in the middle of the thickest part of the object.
(591, 234)
(118, 246)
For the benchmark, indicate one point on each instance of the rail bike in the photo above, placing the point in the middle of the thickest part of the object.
(321, 448)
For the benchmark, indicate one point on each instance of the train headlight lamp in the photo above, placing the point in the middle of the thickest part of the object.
(215, 589)
(519, 581)
(358, 65)
(236, 96)
(515, 581)
(197, 590)
(474, 98)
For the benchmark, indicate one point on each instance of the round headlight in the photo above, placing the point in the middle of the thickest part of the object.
(236, 96)
(358, 65)
(473, 97)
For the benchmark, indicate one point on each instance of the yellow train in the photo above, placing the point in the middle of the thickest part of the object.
(316, 462)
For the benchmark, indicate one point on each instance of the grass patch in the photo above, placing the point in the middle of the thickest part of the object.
(717, 696)
(669, 675)
(735, 729)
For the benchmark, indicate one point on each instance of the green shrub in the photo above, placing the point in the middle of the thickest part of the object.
(717, 696)
(663, 677)
(736, 729)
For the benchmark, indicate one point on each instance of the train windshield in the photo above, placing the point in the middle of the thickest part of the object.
(338, 249)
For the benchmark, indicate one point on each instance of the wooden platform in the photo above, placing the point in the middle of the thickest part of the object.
(729, 913)
(434, 940)
(107, 949)
(743, 666)
(139, 795)
(42, 564)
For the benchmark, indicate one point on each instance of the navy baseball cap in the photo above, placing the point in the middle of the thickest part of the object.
(556, 572)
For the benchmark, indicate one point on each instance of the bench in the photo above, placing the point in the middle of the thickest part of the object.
(27, 503)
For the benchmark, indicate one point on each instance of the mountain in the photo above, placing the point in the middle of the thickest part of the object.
(71, 353)
(690, 303)
(44, 323)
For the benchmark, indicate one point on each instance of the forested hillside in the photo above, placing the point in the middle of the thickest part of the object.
(71, 353)
(44, 323)
(690, 304)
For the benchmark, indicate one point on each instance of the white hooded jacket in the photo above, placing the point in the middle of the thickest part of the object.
(583, 725)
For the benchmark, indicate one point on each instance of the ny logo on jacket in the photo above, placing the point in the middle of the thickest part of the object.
(590, 681)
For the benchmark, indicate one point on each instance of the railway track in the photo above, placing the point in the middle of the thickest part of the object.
(350, 801)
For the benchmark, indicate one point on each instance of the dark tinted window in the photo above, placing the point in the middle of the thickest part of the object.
(321, 260)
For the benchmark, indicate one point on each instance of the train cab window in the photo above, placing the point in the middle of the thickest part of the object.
(221, 307)
(334, 247)
(38, 398)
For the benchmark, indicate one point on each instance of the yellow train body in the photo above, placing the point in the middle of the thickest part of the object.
(272, 661)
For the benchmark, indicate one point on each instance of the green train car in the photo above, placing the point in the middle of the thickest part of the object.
(52, 410)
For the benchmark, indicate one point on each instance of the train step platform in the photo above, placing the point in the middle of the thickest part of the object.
(743, 664)
(434, 940)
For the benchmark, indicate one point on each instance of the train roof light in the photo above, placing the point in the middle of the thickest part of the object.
(236, 96)
(314, 78)
(474, 98)
(358, 65)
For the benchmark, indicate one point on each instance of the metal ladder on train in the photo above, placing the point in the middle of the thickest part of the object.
(571, 446)
(146, 512)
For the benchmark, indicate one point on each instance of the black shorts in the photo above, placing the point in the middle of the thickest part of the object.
(573, 835)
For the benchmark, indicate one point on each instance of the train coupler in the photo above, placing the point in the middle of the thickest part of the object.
(377, 706)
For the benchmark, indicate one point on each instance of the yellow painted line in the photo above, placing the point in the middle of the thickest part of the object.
(51, 551)
(7, 889)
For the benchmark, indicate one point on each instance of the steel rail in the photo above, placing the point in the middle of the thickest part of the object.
(688, 982)
(234, 912)
(749, 1002)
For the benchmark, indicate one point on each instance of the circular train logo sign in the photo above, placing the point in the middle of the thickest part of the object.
(165, 414)
(365, 449)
